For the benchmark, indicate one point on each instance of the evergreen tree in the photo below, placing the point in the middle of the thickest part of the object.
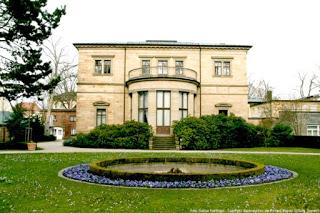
(24, 25)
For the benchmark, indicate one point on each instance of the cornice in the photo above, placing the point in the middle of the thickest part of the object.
(100, 84)
(159, 46)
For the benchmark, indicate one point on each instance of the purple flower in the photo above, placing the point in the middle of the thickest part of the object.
(272, 173)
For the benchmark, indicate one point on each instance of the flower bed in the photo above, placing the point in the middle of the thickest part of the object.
(271, 174)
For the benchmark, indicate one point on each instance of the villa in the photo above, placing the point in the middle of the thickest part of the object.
(159, 82)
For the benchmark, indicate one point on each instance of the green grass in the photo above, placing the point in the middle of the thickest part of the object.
(276, 149)
(29, 183)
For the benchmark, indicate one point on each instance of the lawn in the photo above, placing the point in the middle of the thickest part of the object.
(29, 183)
(276, 149)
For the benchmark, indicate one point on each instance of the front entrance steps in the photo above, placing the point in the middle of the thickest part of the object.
(163, 143)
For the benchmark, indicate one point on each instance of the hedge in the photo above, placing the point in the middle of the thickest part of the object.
(13, 145)
(130, 135)
(104, 168)
(306, 141)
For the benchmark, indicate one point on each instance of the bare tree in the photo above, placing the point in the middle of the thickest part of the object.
(64, 67)
(262, 91)
(307, 85)
(258, 89)
(292, 114)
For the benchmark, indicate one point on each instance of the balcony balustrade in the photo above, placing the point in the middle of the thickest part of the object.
(162, 72)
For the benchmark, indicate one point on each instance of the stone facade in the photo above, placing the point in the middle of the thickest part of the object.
(214, 78)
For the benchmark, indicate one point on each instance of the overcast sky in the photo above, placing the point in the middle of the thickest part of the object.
(285, 35)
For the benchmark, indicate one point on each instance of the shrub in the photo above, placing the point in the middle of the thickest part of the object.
(281, 135)
(37, 128)
(130, 135)
(16, 124)
(261, 135)
(81, 140)
(47, 138)
(220, 131)
(192, 133)
(229, 131)
(215, 131)
(15, 145)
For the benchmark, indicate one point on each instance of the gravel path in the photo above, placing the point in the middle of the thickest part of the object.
(57, 147)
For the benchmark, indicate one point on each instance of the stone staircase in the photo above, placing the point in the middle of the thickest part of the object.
(163, 143)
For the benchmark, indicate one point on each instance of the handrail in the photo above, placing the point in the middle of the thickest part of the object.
(162, 71)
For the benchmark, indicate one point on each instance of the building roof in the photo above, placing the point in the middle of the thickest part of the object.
(61, 110)
(257, 103)
(163, 43)
(256, 100)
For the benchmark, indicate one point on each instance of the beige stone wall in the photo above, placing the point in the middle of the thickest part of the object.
(266, 109)
(231, 90)
(123, 99)
(86, 111)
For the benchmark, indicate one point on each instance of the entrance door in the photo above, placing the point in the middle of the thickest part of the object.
(163, 112)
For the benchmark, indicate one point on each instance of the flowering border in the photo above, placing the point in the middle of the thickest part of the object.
(271, 174)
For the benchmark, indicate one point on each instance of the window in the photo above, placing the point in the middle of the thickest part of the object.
(103, 66)
(162, 67)
(98, 66)
(183, 109)
(73, 131)
(53, 118)
(222, 68)
(145, 66)
(313, 130)
(163, 108)
(223, 111)
(179, 67)
(72, 118)
(143, 106)
(101, 117)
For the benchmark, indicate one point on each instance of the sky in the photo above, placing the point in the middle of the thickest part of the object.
(285, 35)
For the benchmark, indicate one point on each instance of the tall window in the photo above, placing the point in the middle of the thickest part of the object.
(222, 68)
(226, 68)
(163, 108)
(101, 117)
(313, 130)
(179, 67)
(145, 66)
(98, 66)
(183, 104)
(162, 67)
(143, 107)
(73, 131)
(103, 66)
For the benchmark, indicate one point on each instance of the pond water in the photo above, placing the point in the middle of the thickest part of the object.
(160, 167)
